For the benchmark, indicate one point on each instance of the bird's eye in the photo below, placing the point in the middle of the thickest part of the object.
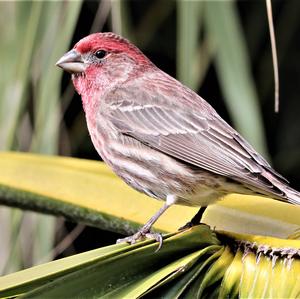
(100, 54)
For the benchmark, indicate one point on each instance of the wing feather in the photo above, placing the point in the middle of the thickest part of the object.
(204, 141)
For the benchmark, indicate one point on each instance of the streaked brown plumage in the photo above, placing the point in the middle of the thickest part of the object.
(159, 136)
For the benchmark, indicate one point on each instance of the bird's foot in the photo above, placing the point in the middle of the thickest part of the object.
(142, 235)
(187, 225)
(191, 224)
(196, 220)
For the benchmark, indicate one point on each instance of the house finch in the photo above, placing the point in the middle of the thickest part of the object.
(159, 136)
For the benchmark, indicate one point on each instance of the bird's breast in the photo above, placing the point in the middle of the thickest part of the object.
(150, 171)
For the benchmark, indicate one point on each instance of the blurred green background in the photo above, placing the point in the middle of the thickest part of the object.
(221, 49)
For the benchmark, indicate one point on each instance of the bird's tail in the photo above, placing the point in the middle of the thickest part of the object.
(293, 196)
(286, 193)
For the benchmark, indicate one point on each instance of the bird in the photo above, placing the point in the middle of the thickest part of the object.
(160, 136)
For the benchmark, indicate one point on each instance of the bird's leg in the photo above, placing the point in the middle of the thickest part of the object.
(145, 231)
(195, 220)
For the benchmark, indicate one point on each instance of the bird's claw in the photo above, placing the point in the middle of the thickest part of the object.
(191, 224)
(187, 225)
(143, 235)
(196, 220)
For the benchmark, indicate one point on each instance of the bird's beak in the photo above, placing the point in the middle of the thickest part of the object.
(72, 62)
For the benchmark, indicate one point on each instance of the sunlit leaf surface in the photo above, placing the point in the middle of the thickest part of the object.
(88, 191)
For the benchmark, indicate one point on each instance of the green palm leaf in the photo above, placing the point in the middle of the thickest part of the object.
(195, 263)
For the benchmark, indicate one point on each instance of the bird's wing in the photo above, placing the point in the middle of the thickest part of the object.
(206, 142)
